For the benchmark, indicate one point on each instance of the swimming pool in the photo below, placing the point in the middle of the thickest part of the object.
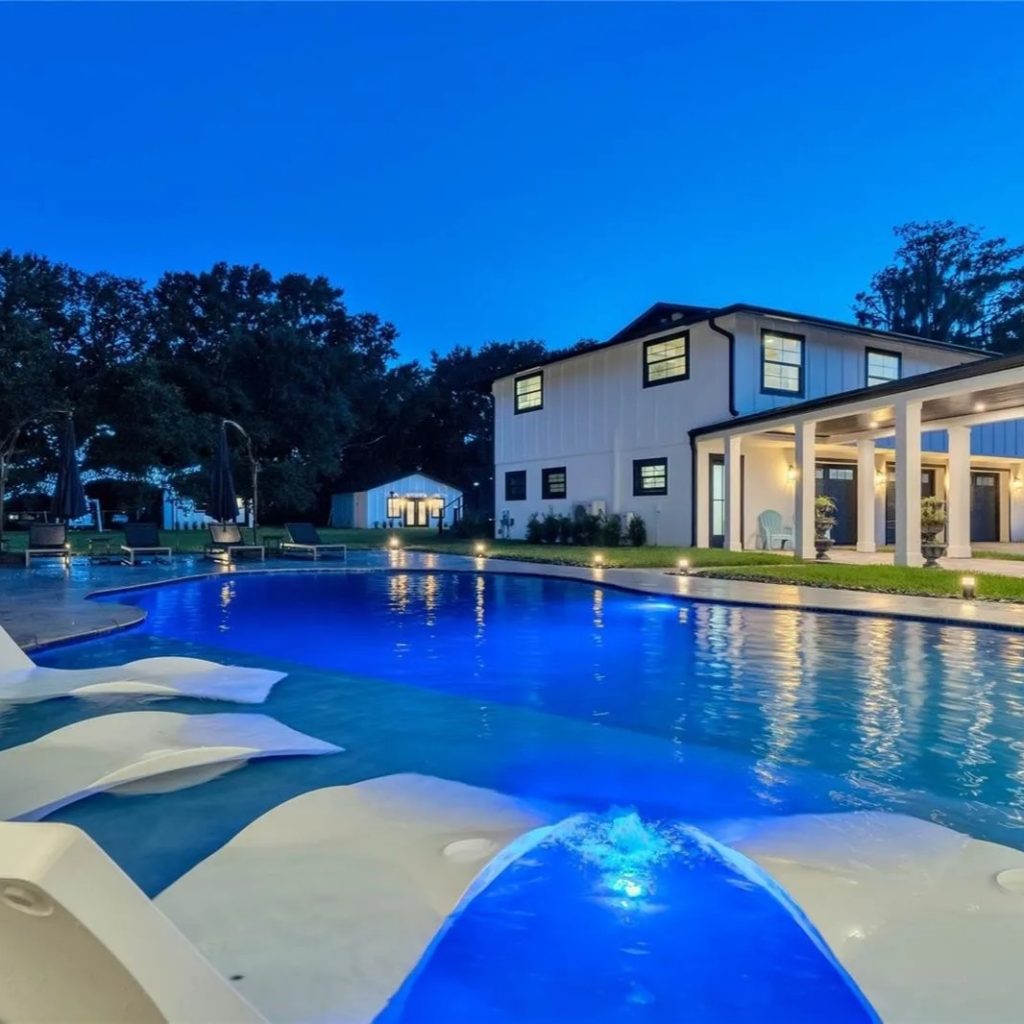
(581, 693)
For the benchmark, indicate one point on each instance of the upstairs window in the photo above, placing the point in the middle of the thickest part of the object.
(553, 483)
(515, 485)
(530, 392)
(782, 364)
(650, 476)
(882, 366)
(667, 360)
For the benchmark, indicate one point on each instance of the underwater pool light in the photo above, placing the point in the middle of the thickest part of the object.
(628, 887)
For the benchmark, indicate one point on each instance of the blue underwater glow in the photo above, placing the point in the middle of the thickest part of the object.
(556, 939)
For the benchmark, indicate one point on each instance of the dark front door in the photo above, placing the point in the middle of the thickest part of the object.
(984, 506)
(927, 491)
(840, 484)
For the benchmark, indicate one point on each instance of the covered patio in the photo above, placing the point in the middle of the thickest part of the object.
(883, 447)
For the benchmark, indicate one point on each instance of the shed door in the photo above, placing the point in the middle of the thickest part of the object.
(985, 506)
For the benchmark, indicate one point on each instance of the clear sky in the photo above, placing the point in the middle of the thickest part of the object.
(510, 171)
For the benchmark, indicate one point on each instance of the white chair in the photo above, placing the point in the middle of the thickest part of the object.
(770, 531)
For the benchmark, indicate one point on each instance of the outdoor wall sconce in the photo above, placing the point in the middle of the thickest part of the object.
(791, 474)
(967, 588)
(1016, 483)
(879, 477)
(394, 506)
(684, 567)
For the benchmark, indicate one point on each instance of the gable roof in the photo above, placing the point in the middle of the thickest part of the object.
(663, 316)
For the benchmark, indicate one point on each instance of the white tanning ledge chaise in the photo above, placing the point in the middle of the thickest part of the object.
(23, 682)
(137, 752)
(318, 911)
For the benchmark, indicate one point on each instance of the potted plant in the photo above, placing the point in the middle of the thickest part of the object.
(824, 520)
(933, 522)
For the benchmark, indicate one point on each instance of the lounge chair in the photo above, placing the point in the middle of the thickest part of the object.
(318, 910)
(770, 531)
(172, 750)
(47, 539)
(24, 682)
(226, 540)
(304, 539)
(143, 539)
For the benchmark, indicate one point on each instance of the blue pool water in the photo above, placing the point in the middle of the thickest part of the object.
(685, 713)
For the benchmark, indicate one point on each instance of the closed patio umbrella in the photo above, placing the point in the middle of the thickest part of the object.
(68, 496)
(223, 501)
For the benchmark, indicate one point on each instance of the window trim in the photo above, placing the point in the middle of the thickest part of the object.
(801, 369)
(868, 353)
(515, 392)
(545, 492)
(641, 492)
(685, 336)
(517, 473)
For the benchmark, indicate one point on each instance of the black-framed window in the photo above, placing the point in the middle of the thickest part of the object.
(782, 363)
(650, 476)
(530, 392)
(667, 359)
(553, 483)
(515, 485)
(880, 366)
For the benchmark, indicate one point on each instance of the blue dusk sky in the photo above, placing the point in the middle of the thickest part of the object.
(491, 171)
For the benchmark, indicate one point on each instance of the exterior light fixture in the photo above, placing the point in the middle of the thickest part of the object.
(1016, 483)
(394, 543)
(968, 588)
(791, 474)
(480, 549)
(979, 406)
(598, 560)
(394, 506)
(879, 477)
(684, 566)
(873, 425)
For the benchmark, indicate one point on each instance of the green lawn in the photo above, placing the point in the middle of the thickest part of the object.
(885, 579)
(429, 540)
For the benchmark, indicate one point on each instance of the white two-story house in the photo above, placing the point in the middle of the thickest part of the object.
(686, 402)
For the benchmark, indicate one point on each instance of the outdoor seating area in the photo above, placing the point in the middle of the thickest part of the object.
(304, 539)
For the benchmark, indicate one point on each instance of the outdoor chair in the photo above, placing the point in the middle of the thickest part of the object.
(143, 539)
(771, 531)
(226, 541)
(304, 539)
(47, 539)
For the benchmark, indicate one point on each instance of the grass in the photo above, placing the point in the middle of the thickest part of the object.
(883, 579)
(650, 557)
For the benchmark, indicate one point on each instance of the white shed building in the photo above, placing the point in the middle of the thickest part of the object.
(414, 500)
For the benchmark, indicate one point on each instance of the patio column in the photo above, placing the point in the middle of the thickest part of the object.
(733, 493)
(958, 496)
(803, 519)
(908, 483)
(866, 495)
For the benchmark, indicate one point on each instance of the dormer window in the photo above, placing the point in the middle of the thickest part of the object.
(530, 392)
(881, 367)
(666, 360)
(782, 364)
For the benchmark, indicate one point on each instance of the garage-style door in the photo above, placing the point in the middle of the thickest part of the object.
(840, 484)
(984, 506)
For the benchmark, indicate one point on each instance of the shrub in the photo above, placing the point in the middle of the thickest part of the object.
(585, 527)
(636, 531)
(611, 531)
(564, 529)
(549, 528)
(534, 529)
(824, 516)
(468, 527)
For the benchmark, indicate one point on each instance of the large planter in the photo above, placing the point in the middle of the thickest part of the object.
(821, 545)
(931, 548)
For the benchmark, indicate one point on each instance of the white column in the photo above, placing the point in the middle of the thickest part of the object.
(908, 483)
(733, 493)
(958, 496)
(866, 495)
(702, 497)
(803, 519)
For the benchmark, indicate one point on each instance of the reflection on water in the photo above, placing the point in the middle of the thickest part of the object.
(889, 707)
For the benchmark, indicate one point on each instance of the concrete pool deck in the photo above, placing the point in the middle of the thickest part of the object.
(49, 604)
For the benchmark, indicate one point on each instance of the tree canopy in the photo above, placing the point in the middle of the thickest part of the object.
(950, 283)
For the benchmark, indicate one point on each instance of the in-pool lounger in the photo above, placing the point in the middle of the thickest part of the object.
(137, 751)
(23, 682)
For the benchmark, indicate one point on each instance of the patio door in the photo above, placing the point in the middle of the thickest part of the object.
(415, 512)
(985, 506)
(927, 491)
(716, 511)
(839, 482)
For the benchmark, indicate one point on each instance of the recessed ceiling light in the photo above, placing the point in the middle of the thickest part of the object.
(979, 406)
